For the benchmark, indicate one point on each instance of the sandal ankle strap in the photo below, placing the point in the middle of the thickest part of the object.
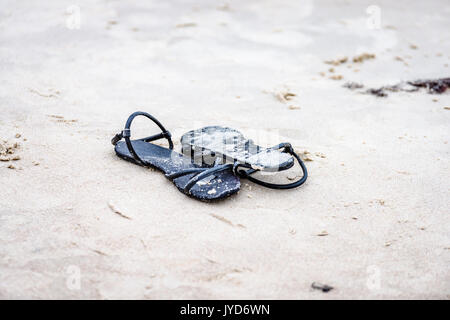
(126, 133)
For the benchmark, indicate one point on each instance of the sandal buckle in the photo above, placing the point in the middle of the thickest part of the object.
(116, 138)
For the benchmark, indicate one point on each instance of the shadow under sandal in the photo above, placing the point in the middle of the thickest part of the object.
(208, 144)
(203, 183)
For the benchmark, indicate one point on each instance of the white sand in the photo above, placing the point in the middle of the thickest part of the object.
(381, 191)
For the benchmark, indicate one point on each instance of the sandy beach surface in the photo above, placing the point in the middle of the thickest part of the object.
(372, 221)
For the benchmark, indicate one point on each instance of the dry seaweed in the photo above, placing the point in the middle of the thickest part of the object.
(337, 62)
(362, 57)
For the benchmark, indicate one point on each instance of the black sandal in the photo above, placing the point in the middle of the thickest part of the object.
(208, 144)
(203, 183)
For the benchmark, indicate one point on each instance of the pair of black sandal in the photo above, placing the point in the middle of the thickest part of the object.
(212, 162)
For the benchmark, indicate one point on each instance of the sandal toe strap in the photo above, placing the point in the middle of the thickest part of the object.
(200, 174)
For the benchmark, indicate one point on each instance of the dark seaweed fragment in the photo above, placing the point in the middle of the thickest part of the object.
(377, 92)
(322, 287)
(353, 85)
(433, 86)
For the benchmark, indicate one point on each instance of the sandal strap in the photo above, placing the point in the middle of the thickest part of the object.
(287, 148)
(126, 133)
(200, 174)
(184, 172)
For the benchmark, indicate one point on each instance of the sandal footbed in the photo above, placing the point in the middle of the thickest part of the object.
(220, 185)
(204, 144)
